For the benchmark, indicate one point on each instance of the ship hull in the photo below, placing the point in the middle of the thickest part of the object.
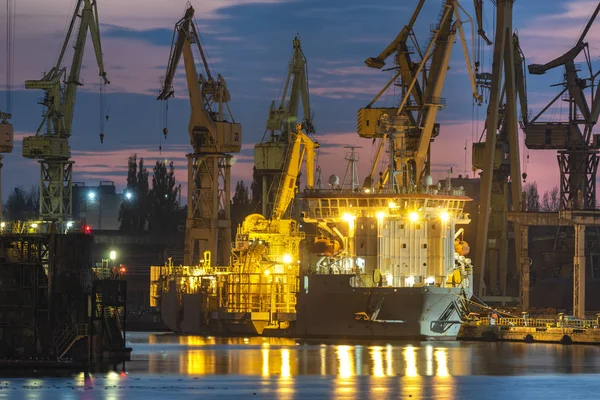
(329, 307)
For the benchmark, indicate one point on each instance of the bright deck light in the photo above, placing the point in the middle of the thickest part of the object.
(444, 216)
(413, 216)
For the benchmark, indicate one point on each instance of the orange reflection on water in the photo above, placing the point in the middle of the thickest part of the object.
(377, 358)
(197, 340)
(429, 360)
(346, 361)
(410, 361)
(344, 384)
(285, 363)
(389, 358)
(265, 362)
(441, 359)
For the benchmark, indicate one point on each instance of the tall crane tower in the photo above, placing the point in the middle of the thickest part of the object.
(269, 154)
(6, 128)
(50, 145)
(213, 137)
(498, 155)
(409, 128)
(577, 149)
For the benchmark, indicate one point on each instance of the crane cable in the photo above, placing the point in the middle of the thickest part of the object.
(10, 50)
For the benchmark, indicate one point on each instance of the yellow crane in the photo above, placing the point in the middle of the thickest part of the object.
(410, 128)
(50, 145)
(267, 250)
(213, 137)
(270, 153)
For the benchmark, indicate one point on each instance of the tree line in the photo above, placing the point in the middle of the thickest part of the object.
(152, 208)
(550, 200)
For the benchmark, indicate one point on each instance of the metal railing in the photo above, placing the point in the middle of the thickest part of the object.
(541, 322)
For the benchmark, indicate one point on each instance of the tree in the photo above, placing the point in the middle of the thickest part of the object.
(241, 206)
(141, 197)
(21, 205)
(256, 189)
(133, 213)
(532, 197)
(163, 206)
(551, 200)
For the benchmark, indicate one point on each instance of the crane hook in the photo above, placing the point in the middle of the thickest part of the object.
(165, 132)
(101, 137)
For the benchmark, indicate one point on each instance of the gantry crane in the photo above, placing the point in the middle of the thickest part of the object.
(213, 137)
(269, 154)
(498, 155)
(50, 145)
(411, 127)
(6, 128)
(577, 150)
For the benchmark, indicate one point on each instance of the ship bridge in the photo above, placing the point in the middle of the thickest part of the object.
(395, 239)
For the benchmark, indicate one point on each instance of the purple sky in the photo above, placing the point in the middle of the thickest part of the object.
(249, 42)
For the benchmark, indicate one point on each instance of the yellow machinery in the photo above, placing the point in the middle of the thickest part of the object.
(208, 225)
(262, 280)
(270, 153)
(50, 144)
(265, 258)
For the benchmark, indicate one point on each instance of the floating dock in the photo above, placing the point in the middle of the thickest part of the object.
(562, 329)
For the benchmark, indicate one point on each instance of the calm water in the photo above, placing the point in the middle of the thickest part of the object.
(171, 367)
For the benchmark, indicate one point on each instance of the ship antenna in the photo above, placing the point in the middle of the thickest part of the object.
(352, 158)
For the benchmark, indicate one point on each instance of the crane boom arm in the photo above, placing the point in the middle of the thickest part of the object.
(479, 15)
(379, 61)
(284, 116)
(291, 170)
(539, 69)
(202, 120)
(89, 20)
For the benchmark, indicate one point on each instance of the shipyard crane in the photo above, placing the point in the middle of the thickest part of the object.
(50, 145)
(213, 137)
(6, 128)
(411, 127)
(269, 154)
(498, 156)
(577, 149)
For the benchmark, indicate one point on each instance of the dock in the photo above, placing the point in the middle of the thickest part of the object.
(562, 329)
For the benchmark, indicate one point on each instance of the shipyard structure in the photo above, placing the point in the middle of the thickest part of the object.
(58, 311)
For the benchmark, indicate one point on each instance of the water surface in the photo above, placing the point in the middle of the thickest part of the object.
(166, 366)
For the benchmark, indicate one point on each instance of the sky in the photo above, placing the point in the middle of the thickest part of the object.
(249, 42)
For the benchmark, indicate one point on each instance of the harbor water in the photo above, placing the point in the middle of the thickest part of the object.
(166, 366)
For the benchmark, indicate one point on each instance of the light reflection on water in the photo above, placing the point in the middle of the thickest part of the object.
(168, 366)
(285, 358)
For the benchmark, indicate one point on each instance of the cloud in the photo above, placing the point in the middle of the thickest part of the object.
(42, 26)
(542, 41)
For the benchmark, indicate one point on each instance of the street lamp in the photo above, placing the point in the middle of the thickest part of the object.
(112, 255)
(128, 195)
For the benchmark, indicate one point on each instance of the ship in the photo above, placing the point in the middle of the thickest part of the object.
(385, 259)
(404, 273)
